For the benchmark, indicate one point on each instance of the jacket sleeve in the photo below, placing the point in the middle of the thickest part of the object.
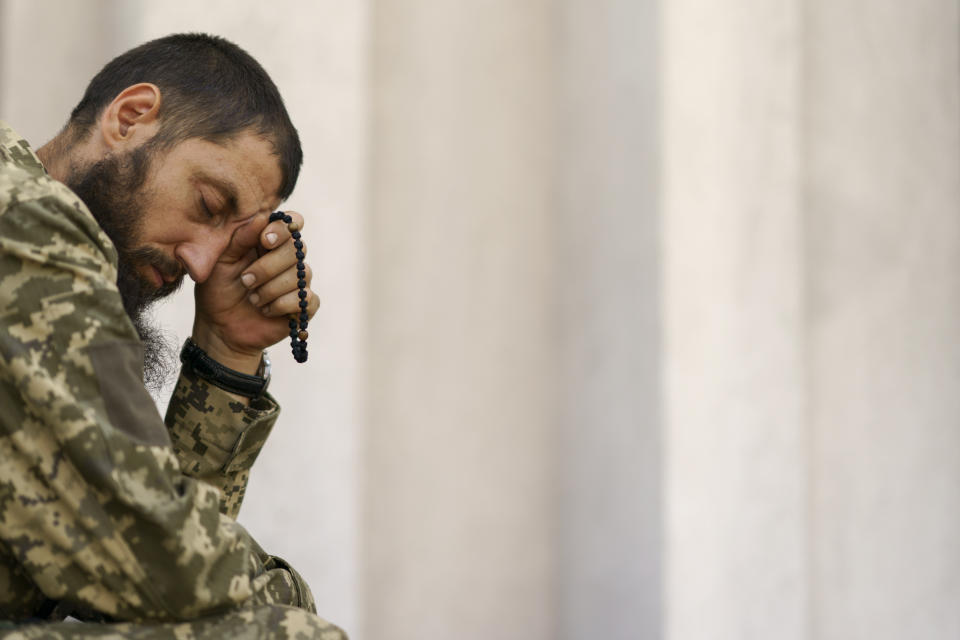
(216, 438)
(94, 504)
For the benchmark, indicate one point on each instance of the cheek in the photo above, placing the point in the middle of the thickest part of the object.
(210, 244)
(167, 229)
(168, 215)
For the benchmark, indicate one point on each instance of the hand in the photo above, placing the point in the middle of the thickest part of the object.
(245, 304)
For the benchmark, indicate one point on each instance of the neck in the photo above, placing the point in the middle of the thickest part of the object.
(61, 154)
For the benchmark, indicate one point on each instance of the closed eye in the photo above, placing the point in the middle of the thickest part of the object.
(206, 209)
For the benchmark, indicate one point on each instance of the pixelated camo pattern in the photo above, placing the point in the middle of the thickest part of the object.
(203, 427)
(99, 515)
(275, 622)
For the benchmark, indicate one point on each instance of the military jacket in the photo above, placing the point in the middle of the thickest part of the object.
(105, 507)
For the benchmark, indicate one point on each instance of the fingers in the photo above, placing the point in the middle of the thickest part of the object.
(245, 238)
(257, 233)
(270, 265)
(280, 253)
(278, 232)
(272, 278)
(280, 285)
(289, 304)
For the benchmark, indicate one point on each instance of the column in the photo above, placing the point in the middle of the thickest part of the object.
(882, 130)
(459, 493)
(734, 445)
(610, 569)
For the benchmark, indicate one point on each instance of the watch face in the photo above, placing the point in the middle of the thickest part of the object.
(264, 370)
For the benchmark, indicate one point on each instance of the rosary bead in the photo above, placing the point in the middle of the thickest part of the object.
(298, 337)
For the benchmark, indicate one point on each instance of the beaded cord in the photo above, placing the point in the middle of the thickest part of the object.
(298, 330)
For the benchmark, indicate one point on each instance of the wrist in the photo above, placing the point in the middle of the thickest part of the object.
(243, 361)
(201, 364)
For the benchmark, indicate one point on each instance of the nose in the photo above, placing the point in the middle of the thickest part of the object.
(200, 256)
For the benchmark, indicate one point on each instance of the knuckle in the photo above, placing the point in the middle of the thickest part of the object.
(268, 293)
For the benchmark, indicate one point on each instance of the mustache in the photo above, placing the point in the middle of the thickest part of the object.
(172, 271)
(169, 268)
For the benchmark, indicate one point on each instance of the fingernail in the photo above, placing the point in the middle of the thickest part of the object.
(254, 298)
(248, 279)
(271, 238)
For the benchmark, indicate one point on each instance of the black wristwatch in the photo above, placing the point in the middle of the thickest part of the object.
(197, 360)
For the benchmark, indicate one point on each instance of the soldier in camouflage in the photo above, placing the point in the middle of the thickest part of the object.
(108, 514)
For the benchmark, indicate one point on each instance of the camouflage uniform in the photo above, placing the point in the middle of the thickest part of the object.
(106, 513)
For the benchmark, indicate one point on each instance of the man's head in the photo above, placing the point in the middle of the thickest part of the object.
(210, 89)
(174, 145)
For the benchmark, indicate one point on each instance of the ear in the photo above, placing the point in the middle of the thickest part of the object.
(131, 119)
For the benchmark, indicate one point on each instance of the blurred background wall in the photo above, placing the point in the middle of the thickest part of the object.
(641, 319)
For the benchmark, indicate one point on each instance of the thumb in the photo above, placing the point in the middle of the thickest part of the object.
(245, 237)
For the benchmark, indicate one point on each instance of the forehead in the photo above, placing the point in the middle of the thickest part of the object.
(245, 166)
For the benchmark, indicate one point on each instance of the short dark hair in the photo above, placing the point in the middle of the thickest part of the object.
(210, 89)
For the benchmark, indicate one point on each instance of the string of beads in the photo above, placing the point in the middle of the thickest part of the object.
(298, 324)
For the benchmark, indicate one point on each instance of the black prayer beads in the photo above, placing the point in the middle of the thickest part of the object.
(298, 323)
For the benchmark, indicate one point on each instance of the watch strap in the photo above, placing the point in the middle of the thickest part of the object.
(196, 360)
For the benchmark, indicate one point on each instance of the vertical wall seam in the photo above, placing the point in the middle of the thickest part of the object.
(811, 631)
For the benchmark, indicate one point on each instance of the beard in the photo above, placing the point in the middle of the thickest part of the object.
(113, 189)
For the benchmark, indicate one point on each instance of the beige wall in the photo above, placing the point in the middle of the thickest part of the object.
(883, 252)
(605, 212)
(641, 318)
(734, 447)
(458, 473)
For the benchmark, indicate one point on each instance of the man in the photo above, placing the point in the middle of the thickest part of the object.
(169, 166)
